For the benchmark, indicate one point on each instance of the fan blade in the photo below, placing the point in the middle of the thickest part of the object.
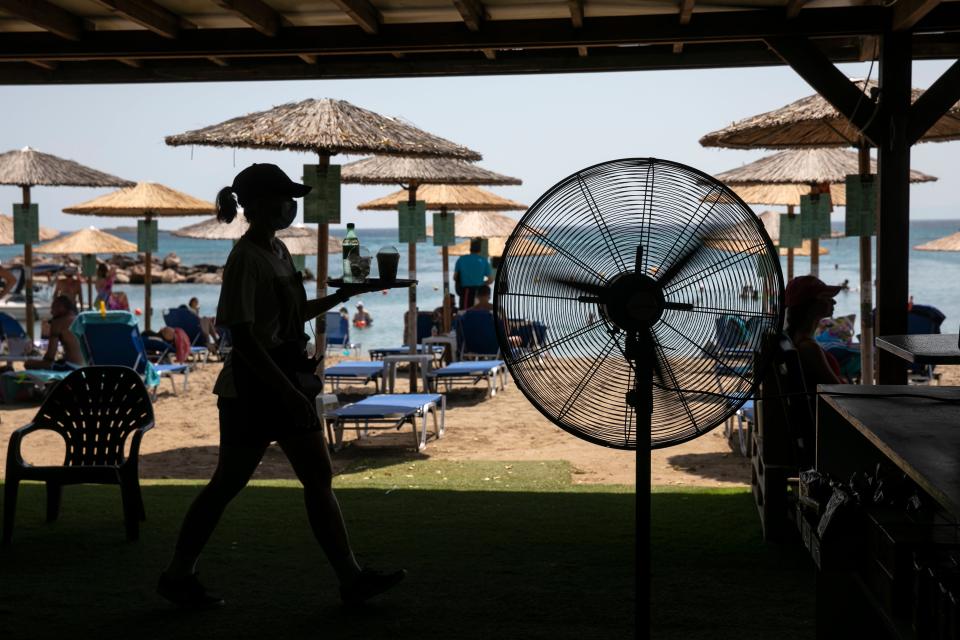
(582, 285)
(678, 265)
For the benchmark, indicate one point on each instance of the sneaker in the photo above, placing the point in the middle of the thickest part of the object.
(187, 592)
(369, 584)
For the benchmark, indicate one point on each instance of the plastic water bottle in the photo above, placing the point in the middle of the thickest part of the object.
(350, 243)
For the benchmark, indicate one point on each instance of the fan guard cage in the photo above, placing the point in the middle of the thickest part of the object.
(590, 225)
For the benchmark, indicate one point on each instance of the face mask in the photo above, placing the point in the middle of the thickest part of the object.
(288, 213)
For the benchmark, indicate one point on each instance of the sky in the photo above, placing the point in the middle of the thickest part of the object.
(540, 128)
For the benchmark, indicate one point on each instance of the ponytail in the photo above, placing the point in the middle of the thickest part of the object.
(226, 205)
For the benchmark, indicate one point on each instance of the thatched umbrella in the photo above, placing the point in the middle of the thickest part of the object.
(526, 246)
(416, 173)
(947, 243)
(445, 198)
(87, 242)
(325, 127)
(813, 122)
(781, 179)
(301, 241)
(147, 200)
(28, 168)
(6, 231)
(481, 224)
(213, 229)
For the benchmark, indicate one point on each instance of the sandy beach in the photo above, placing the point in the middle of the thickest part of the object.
(184, 442)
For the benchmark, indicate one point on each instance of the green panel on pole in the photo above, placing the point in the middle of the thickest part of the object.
(861, 215)
(413, 221)
(790, 236)
(147, 236)
(88, 265)
(815, 216)
(322, 204)
(484, 247)
(444, 232)
(26, 224)
(300, 262)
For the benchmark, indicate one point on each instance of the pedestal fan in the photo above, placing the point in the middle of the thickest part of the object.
(651, 263)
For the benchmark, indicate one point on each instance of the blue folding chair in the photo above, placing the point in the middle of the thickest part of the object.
(183, 318)
(476, 335)
(338, 333)
(114, 338)
(392, 411)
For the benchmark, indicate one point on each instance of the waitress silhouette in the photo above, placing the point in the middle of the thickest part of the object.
(265, 392)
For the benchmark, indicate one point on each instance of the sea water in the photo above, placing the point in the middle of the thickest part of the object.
(933, 277)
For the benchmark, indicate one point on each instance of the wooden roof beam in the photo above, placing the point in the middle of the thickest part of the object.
(582, 52)
(686, 11)
(576, 13)
(794, 6)
(255, 13)
(813, 66)
(130, 62)
(362, 12)
(49, 65)
(472, 12)
(147, 14)
(907, 13)
(309, 59)
(934, 102)
(489, 54)
(46, 16)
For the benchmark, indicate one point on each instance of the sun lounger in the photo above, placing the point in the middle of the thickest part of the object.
(382, 352)
(185, 319)
(392, 411)
(40, 382)
(472, 372)
(360, 371)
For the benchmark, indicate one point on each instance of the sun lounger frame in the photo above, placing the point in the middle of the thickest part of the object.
(380, 416)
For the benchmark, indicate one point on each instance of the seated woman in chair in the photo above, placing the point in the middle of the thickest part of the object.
(808, 301)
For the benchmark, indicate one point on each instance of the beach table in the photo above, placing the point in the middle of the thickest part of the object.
(446, 341)
(933, 348)
(390, 368)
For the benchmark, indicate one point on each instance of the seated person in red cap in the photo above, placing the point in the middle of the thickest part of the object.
(808, 301)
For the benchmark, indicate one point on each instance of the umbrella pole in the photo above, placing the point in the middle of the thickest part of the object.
(412, 292)
(866, 283)
(28, 271)
(815, 257)
(445, 251)
(147, 282)
(790, 250)
(323, 257)
(89, 291)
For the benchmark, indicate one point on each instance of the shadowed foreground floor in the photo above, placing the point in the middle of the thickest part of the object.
(492, 563)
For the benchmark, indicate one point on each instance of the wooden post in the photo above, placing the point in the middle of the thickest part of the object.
(147, 282)
(893, 233)
(866, 282)
(412, 292)
(815, 257)
(28, 271)
(89, 289)
(790, 249)
(323, 258)
(445, 252)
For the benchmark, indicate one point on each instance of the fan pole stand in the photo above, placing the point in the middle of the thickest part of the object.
(640, 352)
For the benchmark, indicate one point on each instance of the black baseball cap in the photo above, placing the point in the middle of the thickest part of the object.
(267, 179)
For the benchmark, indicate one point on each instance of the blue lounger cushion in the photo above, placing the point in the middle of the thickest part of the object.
(388, 405)
(467, 368)
(354, 369)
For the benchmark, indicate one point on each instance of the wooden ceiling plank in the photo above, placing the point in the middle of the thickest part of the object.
(220, 62)
(147, 14)
(309, 59)
(794, 6)
(686, 11)
(907, 13)
(489, 54)
(49, 65)
(255, 13)
(576, 13)
(472, 12)
(361, 12)
(130, 62)
(46, 16)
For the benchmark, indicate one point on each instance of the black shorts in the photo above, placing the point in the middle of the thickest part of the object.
(257, 423)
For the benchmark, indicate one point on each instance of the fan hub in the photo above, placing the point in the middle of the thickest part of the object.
(633, 301)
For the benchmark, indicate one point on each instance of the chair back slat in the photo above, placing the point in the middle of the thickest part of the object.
(338, 329)
(95, 409)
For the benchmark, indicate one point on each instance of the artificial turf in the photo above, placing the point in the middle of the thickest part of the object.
(494, 550)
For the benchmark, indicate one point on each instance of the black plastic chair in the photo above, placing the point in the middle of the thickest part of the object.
(95, 410)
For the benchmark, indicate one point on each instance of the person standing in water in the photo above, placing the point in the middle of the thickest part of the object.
(262, 301)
